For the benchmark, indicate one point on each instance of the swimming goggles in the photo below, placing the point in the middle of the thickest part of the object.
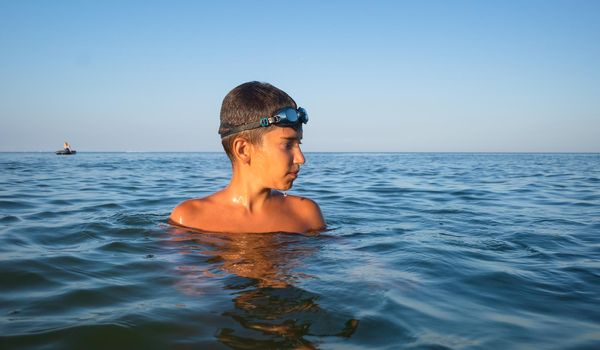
(287, 116)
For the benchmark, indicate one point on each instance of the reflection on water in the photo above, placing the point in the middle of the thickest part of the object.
(259, 272)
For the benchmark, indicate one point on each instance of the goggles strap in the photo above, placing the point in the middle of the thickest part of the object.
(241, 128)
(263, 122)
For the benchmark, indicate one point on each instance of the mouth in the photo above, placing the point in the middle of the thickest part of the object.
(294, 174)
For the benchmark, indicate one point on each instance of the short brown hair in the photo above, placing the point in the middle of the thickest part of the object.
(248, 103)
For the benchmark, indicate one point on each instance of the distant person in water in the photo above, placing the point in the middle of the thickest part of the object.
(261, 130)
(67, 147)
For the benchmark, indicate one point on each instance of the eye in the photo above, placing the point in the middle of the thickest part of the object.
(288, 145)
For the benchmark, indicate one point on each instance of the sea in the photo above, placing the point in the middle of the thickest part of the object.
(422, 251)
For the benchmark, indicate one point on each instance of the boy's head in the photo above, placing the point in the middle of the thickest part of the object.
(247, 104)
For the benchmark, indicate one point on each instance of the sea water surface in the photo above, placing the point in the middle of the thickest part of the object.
(424, 251)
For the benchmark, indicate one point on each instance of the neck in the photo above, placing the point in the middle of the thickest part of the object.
(243, 191)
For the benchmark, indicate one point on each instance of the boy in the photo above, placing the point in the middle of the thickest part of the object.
(261, 129)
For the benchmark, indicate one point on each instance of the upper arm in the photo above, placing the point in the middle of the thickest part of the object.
(312, 214)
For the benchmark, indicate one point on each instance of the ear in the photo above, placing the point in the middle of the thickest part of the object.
(242, 150)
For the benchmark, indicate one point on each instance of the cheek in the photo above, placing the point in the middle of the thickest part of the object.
(285, 157)
(262, 164)
(274, 163)
(267, 164)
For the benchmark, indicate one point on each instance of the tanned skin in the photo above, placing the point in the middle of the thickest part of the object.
(252, 203)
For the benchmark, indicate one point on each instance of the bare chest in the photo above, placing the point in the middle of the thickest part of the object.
(236, 222)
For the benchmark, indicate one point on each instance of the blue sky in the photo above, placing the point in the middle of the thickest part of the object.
(478, 76)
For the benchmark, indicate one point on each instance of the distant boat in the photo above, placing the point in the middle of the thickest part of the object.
(65, 152)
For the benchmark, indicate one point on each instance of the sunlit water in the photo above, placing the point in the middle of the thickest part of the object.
(458, 251)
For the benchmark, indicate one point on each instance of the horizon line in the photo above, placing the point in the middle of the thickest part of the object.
(480, 152)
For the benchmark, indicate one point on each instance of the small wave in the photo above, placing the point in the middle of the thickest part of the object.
(22, 280)
(16, 204)
(380, 247)
(8, 219)
(139, 219)
(121, 247)
(110, 205)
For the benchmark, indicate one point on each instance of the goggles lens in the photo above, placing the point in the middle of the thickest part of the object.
(290, 115)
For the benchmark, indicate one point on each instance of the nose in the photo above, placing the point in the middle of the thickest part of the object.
(299, 156)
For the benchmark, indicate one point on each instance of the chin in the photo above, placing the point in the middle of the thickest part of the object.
(284, 187)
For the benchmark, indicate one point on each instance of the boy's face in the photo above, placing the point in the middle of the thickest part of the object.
(277, 160)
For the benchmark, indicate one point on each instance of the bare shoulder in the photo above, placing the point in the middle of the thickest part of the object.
(303, 204)
(185, 212)
(308, 210)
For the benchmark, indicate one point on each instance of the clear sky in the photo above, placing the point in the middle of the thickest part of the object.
(481, 76)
